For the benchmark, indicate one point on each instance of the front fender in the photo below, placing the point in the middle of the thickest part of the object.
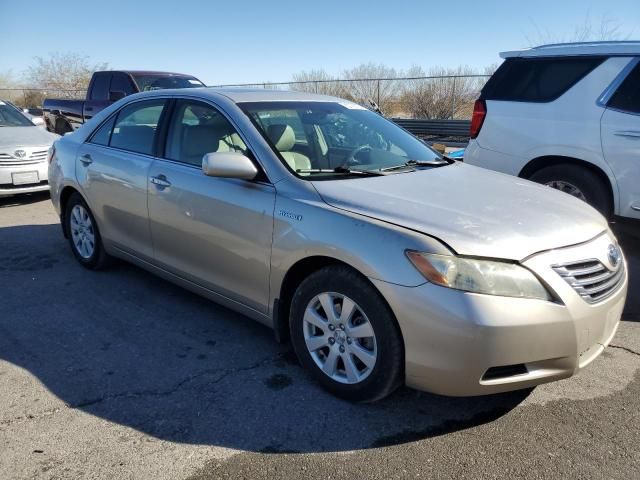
(376, 249)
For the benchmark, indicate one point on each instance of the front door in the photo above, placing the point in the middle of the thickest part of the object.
(215, 232)
(620, 127)
(113, 169)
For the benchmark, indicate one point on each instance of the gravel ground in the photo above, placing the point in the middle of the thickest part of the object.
(118, 374)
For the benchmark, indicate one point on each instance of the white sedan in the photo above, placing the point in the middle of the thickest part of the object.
(23, 153)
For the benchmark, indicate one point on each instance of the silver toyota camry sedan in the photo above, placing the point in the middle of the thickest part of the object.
(381, 261)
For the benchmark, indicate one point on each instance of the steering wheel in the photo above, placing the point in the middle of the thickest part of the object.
(351, 159)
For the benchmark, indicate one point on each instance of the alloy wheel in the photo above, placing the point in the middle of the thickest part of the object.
(339, 337)
(567, 187)
(82, 232)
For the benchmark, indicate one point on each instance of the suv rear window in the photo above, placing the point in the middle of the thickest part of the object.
(537, 79)
(627, 97)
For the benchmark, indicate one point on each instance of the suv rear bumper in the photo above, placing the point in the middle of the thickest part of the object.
(474, 154)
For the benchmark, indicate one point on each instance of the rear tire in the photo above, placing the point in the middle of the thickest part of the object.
(578, 182)
(357, 356)
(83, 234)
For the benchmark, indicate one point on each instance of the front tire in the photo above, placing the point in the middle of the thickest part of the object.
(578, 182)
(345, 335)
(83, 234)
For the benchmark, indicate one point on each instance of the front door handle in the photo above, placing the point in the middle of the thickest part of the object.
(160, 181)
(86, 159)
(628, 133)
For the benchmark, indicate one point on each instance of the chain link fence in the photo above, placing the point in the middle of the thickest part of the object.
(33, 97)
(435, 97)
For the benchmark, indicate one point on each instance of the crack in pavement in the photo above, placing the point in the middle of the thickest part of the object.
(626, 349)
(178, 386)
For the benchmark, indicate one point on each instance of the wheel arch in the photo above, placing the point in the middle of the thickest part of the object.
(541, 162)
(65, 194)
(296, 274)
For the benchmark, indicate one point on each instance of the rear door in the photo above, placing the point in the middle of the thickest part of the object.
(620, 128)
(113, 168)
(215, 232)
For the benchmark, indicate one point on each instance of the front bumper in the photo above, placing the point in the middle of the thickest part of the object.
(453, 339)
(6, 178)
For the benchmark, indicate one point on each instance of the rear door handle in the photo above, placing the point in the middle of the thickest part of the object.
(86, 159)
(160, 181)
(628, 133)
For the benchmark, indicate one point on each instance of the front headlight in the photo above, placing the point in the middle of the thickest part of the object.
(480, 276)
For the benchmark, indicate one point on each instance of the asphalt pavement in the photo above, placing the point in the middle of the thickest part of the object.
(119, 374)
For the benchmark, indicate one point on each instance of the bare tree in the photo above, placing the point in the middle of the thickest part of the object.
(318, 81)
(66, 73)
(447, 93)
(606, 28)
(370, 81)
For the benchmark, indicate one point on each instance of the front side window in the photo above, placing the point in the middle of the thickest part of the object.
(197, 129)
(334, 135)
(627, 97)
(121, 83)
(135, 126)
(537, 79)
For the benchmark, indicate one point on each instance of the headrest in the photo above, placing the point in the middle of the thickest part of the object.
(282, 136)
(201, 138)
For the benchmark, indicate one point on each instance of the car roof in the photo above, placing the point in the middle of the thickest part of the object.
(148, 72)
(239, 95)
(618, 48)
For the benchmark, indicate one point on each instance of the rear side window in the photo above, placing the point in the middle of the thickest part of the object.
(627, 97)
(135, 127)
(103, 134)
(100, 86)
(537, 79)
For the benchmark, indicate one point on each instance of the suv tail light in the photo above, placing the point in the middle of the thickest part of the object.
(477, 119)
(51, 153)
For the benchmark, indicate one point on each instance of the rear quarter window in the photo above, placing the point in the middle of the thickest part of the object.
(537, 79)
(627, 97)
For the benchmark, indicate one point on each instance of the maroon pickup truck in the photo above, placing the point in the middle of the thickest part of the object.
(62, 116)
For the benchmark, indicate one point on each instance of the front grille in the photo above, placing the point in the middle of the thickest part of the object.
(32, 158)
(39, 155)
(591, 279)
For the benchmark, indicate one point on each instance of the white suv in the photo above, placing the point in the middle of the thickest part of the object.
(567, 116)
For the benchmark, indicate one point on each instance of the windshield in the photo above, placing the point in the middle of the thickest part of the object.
(325, 136)
(160, 82)
(11, 117)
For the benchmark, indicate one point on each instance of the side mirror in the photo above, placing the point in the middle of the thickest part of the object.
(116, 95)
(37, 121)
(229, 165)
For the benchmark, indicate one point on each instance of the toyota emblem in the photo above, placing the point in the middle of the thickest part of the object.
(20, 153)
(614, 256)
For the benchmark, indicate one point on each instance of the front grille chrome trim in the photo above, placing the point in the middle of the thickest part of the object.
(591, 279)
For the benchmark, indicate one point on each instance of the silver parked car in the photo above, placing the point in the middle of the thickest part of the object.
(23, 152)
(383, 262)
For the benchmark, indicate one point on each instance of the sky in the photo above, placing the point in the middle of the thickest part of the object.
(256, 41)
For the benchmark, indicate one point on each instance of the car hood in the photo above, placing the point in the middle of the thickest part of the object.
(474, 211)
(11, 137)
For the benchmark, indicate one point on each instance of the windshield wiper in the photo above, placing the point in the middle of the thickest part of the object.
(340, 169)
(416, 163)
